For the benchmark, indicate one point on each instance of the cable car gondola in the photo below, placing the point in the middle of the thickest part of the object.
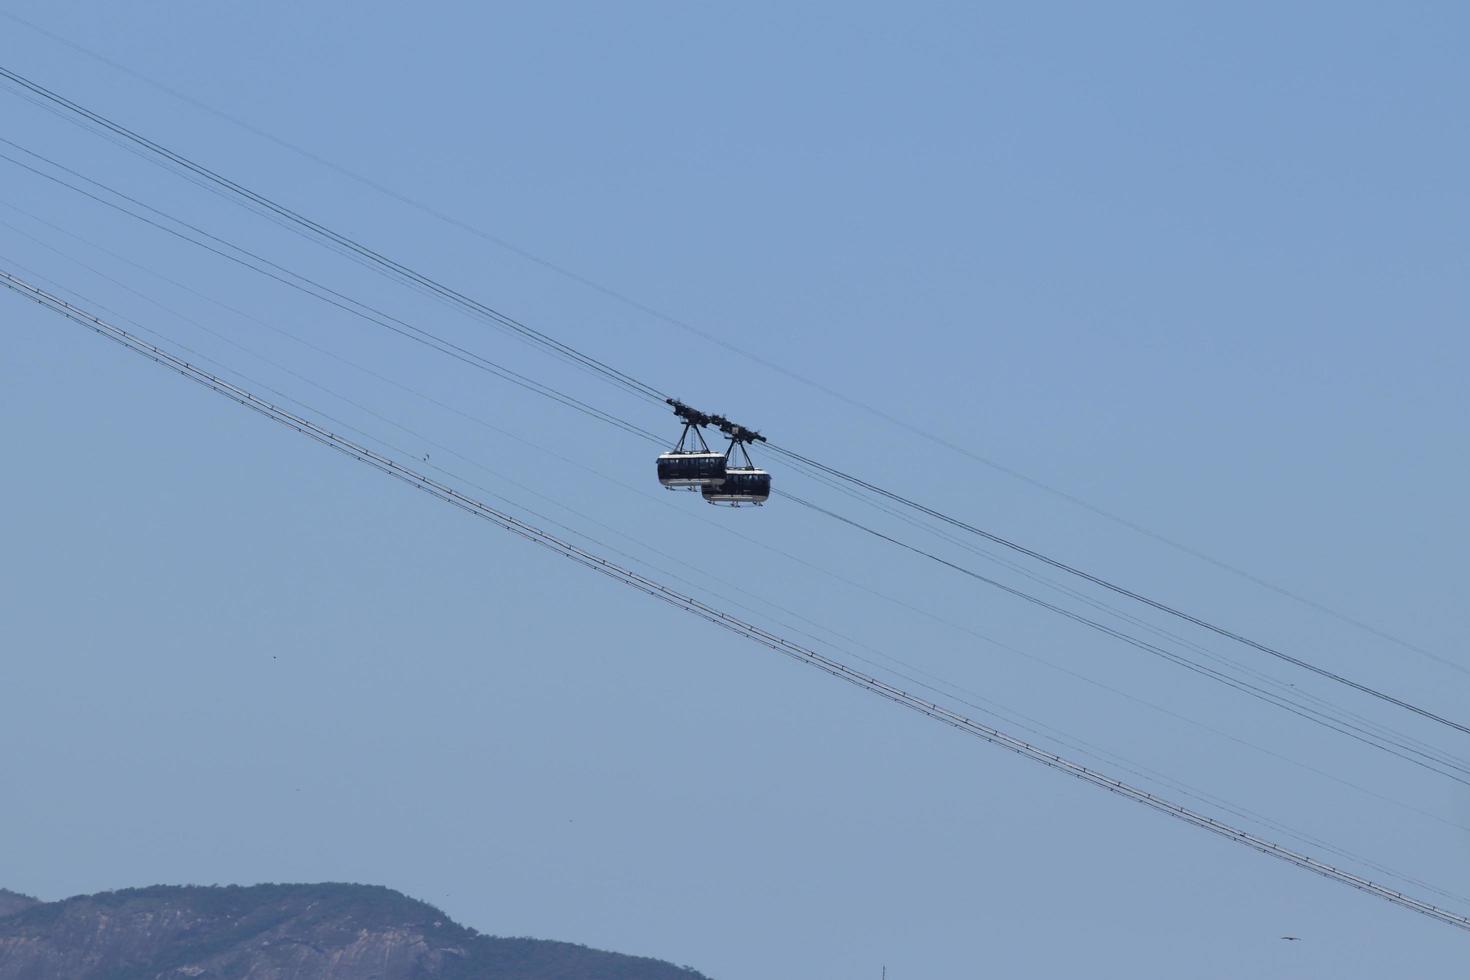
(746, 484)
(685, 467)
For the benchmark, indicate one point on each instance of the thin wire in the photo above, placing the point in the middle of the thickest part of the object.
(234, 199)
(1130, 594)
(358, 308)
(317, 229)
(405, 273)
(1395, 745)
(734, 348)
(403, 328)
(959, 694)
(717, 617)
(314, 288)
(1288, 689)
(949, 687)
(463, 354)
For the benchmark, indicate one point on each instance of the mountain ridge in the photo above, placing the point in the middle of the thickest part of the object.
(327, 931)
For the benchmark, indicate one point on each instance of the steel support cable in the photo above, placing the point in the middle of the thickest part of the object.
(490, 366)
(323, 232)
(1289, 691)
(939, 685)
(1390, 744)
(223, 194)
(259, 201)
(772, 641)
(417, 334)
(1129, 593)
(946, 687)
(411, 275)
(1122, 765)
(1333, 717)
(202, 358)
(463, 353)
(317, 290)
(504, 373)
(969, 698)
(292, 278)
(1250, 815)
(478, 420)
(675, 321)
(326, 352)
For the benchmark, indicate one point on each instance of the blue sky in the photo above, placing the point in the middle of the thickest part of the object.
(1204, 270)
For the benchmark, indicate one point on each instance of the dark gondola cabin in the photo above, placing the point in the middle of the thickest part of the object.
(681, 470)
(748, 484)
(690, 464)
(719, 477)
(743, 485)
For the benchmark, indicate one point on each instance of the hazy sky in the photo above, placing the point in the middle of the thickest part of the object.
(1205, 270)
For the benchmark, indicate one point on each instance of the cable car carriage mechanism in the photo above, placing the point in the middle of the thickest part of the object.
(719, 477)
(686, 467)
(748, 484)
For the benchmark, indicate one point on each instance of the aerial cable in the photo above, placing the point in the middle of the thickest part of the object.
(722, 342)
(715, 616)
(1397, 738)
(248, 259)
(342, 246)
(950, 687)
(321, 231)
(1021, 721)
(433, 285)
(1126, 592)
(1176, 638)
(341, 301)
(403, 328)
(223, 194)
(407, 274)
(420, 437)
(1391, 743)
(1077, 595)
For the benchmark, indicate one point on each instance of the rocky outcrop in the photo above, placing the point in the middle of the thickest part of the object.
(281, 932)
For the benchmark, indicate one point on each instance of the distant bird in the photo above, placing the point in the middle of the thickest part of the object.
(1292, 939)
